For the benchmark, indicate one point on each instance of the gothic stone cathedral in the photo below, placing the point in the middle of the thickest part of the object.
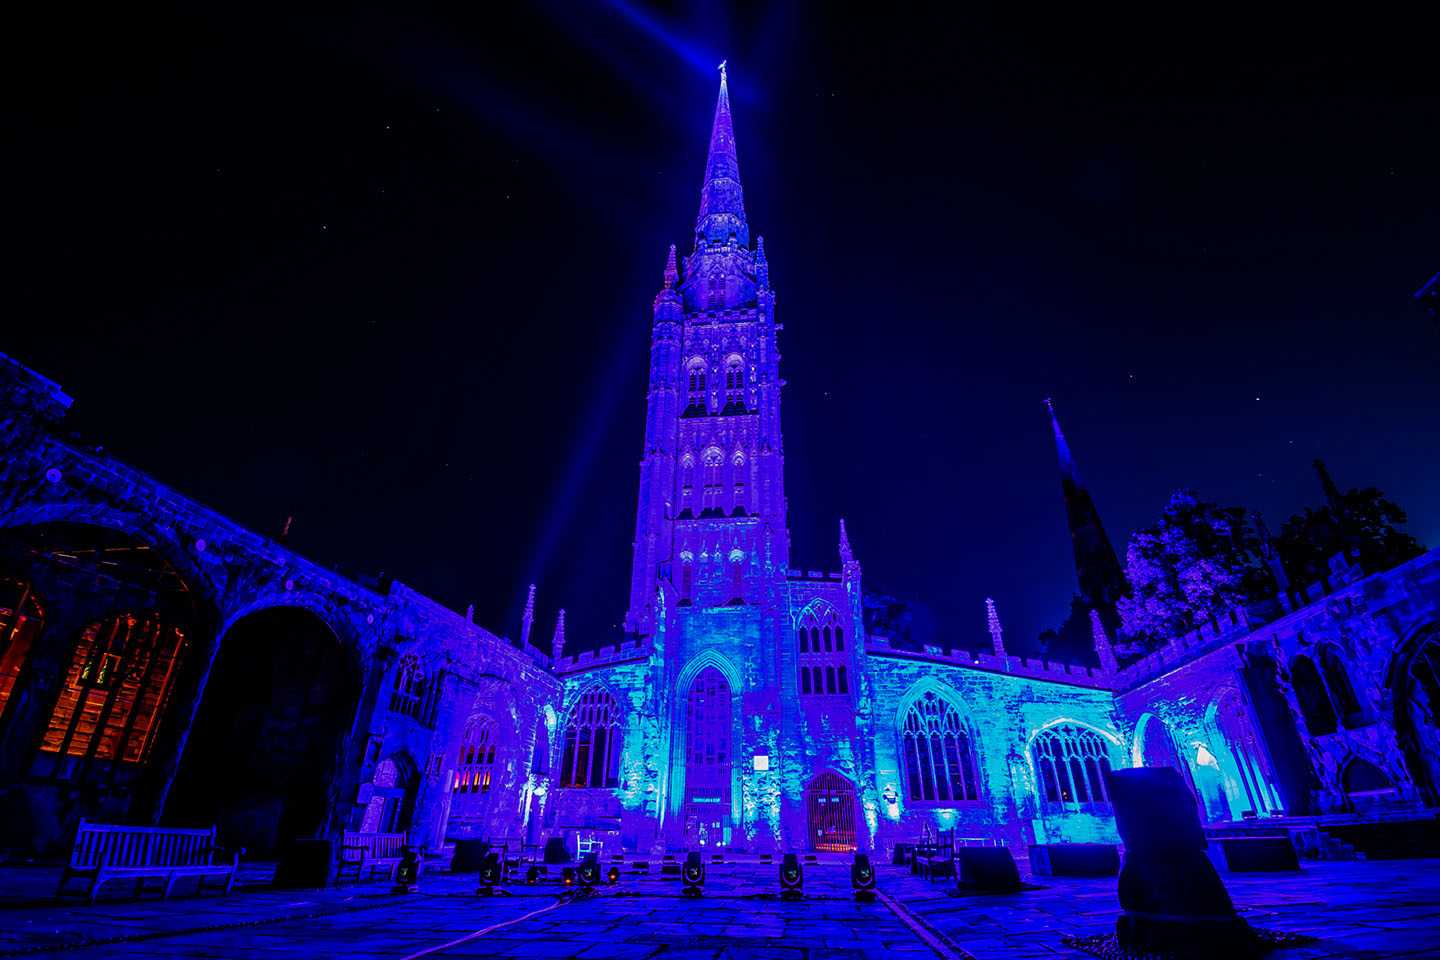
(150, 649)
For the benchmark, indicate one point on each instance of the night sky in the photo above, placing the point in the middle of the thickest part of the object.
(391, 273)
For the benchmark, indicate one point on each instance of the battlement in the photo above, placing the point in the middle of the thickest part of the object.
(813, 575)
(1041, 669)
(624, 651)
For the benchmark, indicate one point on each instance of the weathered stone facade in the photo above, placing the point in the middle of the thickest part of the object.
(88, 540)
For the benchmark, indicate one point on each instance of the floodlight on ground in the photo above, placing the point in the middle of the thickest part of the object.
(590, 870)
(612, 876)
(692, 875)
(567, 876)
(492, 872)
(532, 875)
(792, 878)
(862, 877)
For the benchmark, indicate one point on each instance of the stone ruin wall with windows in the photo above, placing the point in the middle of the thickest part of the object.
(137, 634)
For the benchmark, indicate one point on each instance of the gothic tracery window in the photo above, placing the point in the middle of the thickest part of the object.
(593, 734)
(713, 462)
(475, 766)
(116, 689)
(1071, 762)
(936, 751)
(409, 695)
(824, 664)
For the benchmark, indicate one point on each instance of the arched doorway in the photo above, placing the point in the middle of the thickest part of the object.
(1158, 749)
(830, 813)
(1248, 769)
(708, 760)
(1415, 678)
(392, 796)
(266, 745)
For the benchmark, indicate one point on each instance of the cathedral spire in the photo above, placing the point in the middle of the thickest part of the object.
(557, 643)
(1101, 579)
(847, 555)
(992, 623)
(722, 200)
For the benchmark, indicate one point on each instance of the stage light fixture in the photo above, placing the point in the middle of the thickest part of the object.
(692, 875)
(567, 876)
(862, 877)
(792, 878)
(532, 875)
(612, 876)
(590, 870)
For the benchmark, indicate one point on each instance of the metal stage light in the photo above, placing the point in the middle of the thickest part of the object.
(590, 870)
(862, 877)
(792, 878)
(567, 876)
(532, 875)
(492, 873)
(612, 876)
(692, 875)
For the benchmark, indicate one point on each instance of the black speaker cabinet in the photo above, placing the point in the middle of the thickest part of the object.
(987, 870)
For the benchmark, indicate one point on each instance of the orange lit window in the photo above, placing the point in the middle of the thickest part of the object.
(477, 756)
(20, 623)
(116, 690)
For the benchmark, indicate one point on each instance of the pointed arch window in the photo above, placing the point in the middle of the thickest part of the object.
(824, 664)
(712, 464)
(593, 736)
(1310, 693)
(687, 578)
(735, 384)
(410, 695)
(475, 766)
(1342, 692)
(1071, 762)
(696, 403)
(936, 751)
(116, 690)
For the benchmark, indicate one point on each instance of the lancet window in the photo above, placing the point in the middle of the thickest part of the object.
(1071, 762)
(696, 403)
(411, 695)
(824, 663)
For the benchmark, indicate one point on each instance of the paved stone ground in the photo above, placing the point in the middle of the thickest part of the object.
(1356, 909)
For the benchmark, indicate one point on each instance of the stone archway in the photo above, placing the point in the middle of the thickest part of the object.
(830, 814)
(1415, 679)
(709, 761)
(265, 749)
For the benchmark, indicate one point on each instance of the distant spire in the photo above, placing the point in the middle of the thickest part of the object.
(722, 200)
(846, 554)
(762, 266)
(1332, 492)
(557, 645)
(1062, 449)
(992, 622)
(1097, 569)
(1103, 650)
(527, 619)
(672, 273)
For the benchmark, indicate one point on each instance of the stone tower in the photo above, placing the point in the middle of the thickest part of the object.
(710, 522)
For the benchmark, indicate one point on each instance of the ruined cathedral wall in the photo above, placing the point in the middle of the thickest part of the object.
(624, 817)
(1354, 653)
(1001, 715)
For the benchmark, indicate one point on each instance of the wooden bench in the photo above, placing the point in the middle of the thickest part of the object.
(372, 851)
(107, 851)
